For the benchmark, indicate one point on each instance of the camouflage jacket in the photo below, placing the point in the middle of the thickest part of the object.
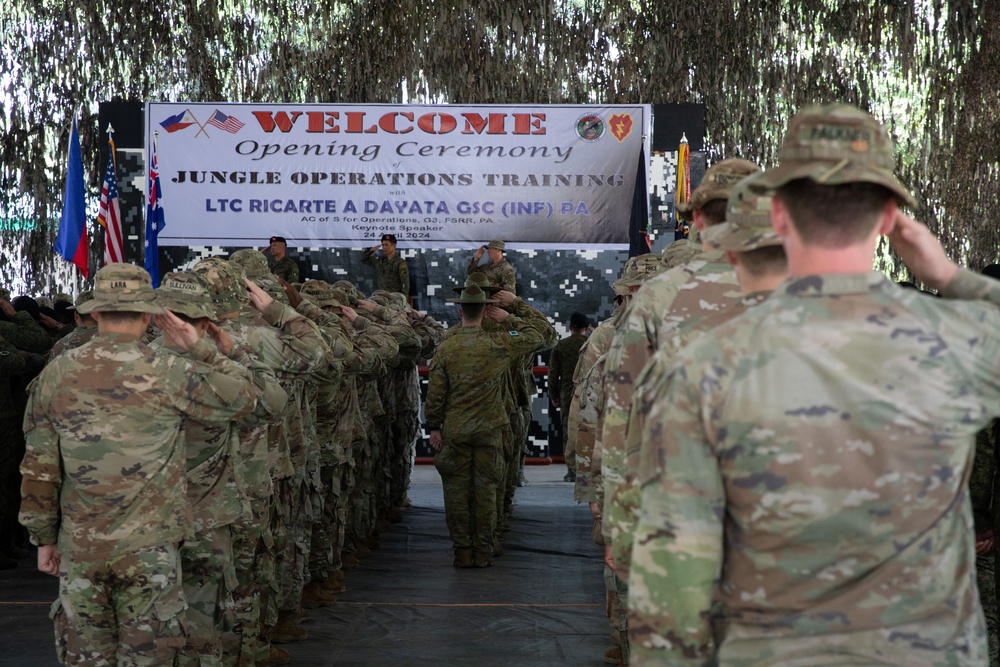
(286, 269)
(392, 275)
(16, 367)
(467, 374)
(75, 338)
(808, 473)
(562, 363)
(24, 333)
(500, 274)
(586, 415)
(688, 293)
(105, 465)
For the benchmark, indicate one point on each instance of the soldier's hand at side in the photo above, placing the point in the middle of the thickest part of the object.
(496, 314)
(609, 558)
(258, 297)
(367, 304)
(595, 511)
(222, 339)
(48, 559)
(349, 313)
(984, 543)
(922, 253)
(436, 441)
(554, 402)
(505, 298)
(294, 298)
(176, 332)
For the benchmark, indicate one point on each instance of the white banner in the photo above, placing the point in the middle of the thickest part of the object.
(328, 175)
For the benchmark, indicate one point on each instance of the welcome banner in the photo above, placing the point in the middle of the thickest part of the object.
(327, 175)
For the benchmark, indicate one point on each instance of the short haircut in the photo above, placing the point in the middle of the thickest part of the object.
(117, 317)
(714, 211)
(833, 216)
(765, 261)
(472, 311)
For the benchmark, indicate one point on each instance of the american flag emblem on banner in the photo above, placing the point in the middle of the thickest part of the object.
(109, 215)
(229, 124)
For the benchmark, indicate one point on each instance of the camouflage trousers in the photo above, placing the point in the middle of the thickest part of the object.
(617, 609)
(470, 469)
(507, 458)
(209, 578)
(987, 584)
(296, 506)
(124, 611)
(404, 435)
(381, 447)
(518, 433)
(361, 495)
(328, 530)
(254, 559)
(569, 444)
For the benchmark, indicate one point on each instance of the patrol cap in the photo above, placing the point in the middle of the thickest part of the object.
(748, 222)
(497, 245)
(835, 144)
(122, 288)
(472, 294)
(253, 262)
(716, 184)
(640, 269)
(86, 295)
(185, 292)
(479, 279)
(225, 285)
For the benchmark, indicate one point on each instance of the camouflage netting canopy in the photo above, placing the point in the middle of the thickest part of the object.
(930, 69)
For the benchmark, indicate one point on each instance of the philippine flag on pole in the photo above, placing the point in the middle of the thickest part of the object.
(178, 122)
(72, 240)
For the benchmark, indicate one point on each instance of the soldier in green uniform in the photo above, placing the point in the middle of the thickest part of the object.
(280, 263)
(498, 270)
(86, 328)
(804, 501)
(391, 272)
(562, 363)
(103, 494)
(465, 414)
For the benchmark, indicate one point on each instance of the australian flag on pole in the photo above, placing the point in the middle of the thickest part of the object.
(72, 240)
(154, 220)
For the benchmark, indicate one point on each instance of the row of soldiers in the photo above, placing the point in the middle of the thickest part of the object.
(267, 429)
(776, 441)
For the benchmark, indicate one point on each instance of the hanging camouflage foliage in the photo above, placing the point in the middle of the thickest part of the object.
(929, 70)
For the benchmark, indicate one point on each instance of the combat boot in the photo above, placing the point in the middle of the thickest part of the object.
(361, 551)
(338, 575)
(278, 656)
(314, 597)
(613, 656)
(287, 630)
(394, 514)
(372, 542)
(382, 524)
(481, 559)
(497, 547)
(349, 560)
(463, 557)
(334, 585)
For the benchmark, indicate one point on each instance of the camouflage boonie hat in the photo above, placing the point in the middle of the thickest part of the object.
(472, 294)
(497, 245)
(479, 279)
(748, 222)
(44, 301)
(62, 297)
(272, 287)
(187, 293)
(253, 262)
(122, 288)
(399, 302)
(718, 180)
(353, 293)
(86, 295)
(835, 144)
(224, 283)
(342, 298)
(319, 292)
(640, 269)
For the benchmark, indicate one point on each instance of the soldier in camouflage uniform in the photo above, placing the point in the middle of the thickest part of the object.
(103, 491)
(280, 264)
(498, 270)
(805, 498)
(86, 328)
(391, 272)
(562, 363)
(465, 415)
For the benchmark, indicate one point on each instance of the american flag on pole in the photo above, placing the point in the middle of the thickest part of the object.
(229, 124)
(110, 215)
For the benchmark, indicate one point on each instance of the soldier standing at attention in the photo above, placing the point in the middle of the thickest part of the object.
(466, 413)
(103, 490)
(280, 263)
(391, 272)
(806, 498)
(498, 270)
(562, 363)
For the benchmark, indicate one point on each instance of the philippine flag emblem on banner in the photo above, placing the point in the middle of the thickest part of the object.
(621, 126)
(178, 122)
